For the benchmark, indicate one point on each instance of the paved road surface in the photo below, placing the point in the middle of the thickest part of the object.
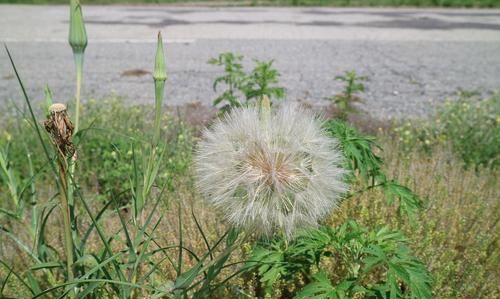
(413, 58)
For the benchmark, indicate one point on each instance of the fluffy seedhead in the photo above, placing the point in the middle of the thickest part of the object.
(279, 171)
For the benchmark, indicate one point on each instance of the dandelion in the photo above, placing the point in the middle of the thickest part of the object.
(269, 172)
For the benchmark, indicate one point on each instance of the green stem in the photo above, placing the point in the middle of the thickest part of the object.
(33, 202)
(68, 240)
(226, 251)
(78, 56)
(159, 88)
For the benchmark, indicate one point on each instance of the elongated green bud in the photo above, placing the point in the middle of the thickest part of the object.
(159, 76)
(160, 71)
(77, 33)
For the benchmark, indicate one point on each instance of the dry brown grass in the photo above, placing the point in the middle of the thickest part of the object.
(456, 234)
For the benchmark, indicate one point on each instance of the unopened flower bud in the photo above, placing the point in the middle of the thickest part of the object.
(160, 71)
(77, 33)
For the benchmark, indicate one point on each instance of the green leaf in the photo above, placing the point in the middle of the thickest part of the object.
(47, 265)
(186, 278)
(270, 264)
(409, 203)
(322, 288)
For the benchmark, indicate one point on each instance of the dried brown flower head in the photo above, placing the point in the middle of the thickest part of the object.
(60, 129)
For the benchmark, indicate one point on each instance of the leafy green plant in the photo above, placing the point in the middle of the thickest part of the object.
(261, 81)
(345, 101)
(242, 88)
(363, 255)
(349, 261)
(362, 160)
(234, 77)
(468, 125)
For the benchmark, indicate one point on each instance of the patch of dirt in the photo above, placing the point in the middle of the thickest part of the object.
(135, 73)
(8, 77)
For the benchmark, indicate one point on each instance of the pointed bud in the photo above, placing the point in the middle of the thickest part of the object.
(160, 71)
(159, 76)
(77, 33)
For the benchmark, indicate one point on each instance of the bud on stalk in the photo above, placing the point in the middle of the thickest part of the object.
(78, 42)
(77, 33)
(159, 77)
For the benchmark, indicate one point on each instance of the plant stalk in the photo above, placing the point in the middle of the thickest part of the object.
(78, 56)
(68, 239)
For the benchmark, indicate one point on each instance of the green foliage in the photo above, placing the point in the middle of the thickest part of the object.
(251, 86)
(362, 160)
(11, 179)
(112, 136)
(362, 263)
(261, 81)
(234, 77)
(469, 125)
(345, 100)
(321, 287)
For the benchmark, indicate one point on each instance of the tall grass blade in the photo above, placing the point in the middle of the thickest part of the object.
(205, 240)
(32, 114)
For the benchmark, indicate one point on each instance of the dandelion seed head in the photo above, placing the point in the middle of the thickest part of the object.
(280, 172)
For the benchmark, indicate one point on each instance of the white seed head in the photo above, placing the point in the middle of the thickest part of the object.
(267, 173)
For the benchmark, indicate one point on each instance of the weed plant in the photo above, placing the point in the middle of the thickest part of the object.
(345, 101)
(241, 88)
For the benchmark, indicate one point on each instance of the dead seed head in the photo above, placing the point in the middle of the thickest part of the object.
(57, 107)
(60, 129)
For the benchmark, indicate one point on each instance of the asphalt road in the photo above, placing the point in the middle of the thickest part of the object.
(413, 58)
